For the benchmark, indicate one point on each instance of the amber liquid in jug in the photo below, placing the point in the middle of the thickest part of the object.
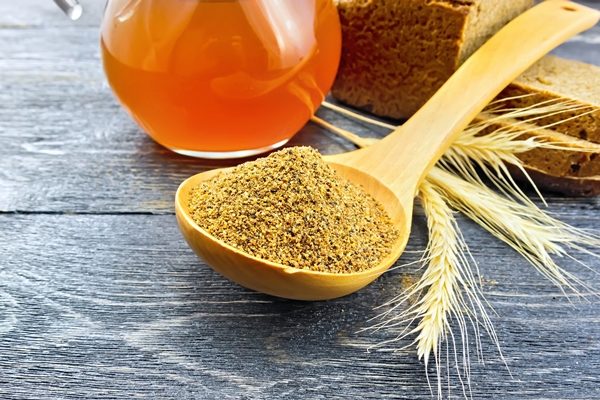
(220, 78)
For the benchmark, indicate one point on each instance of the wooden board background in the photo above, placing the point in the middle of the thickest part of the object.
(100, 297)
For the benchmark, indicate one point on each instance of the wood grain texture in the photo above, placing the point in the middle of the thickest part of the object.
(100, 297)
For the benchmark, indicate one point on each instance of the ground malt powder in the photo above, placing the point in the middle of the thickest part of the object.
(293, 209)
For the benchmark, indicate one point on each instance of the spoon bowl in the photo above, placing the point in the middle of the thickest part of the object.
(280, 280)
(392, 169)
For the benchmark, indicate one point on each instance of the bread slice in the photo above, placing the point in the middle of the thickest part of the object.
(574, 170)
(397, 53)
(555, 78)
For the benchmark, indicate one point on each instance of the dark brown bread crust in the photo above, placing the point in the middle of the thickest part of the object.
(568, 186)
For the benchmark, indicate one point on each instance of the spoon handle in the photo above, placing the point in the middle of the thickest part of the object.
(402, 159)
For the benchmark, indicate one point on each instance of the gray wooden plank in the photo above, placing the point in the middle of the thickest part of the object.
(99, 299)
(115, 306)
(65, 143)
(63, 135)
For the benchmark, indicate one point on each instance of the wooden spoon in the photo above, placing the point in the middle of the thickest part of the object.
(392, 169)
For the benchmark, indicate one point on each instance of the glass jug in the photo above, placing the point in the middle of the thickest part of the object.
(220, 78)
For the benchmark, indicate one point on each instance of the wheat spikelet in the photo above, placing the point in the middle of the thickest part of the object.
(491, 152)
(447, 292)
(532, 233)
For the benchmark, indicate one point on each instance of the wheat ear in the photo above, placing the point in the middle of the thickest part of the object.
(492, 151)
(447, 291)
(532, 233)
(448, 287)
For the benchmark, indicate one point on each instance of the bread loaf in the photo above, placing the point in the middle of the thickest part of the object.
(397, 53)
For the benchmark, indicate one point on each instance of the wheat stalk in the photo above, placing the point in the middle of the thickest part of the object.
(493, 151)
(447, 291)
(527, 229)
(531, 232)
(448, 286)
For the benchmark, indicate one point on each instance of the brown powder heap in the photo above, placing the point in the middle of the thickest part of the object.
(291, 208)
